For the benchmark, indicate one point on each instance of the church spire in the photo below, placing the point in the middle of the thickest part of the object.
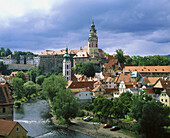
(92, 30)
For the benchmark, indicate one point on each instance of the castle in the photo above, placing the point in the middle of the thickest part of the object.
(52, 61)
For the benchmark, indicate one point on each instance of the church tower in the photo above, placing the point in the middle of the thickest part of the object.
(93, 41)
(67, 66)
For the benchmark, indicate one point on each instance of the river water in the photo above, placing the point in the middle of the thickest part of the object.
(34, 117)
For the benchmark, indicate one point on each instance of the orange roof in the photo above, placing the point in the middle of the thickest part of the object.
(98, 83)
(81, 84)
(106, 74)
(7, 126)
(154, 79)
(62, 52)
(147, 69)
(110, 79)
(5, 97)
(122, 77)
(95, 89)
(162, 84)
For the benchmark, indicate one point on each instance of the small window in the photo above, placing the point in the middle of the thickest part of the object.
(166, 100)
(86, 94)
(162, 100)
(17, 129)
(4, 110)
(79, 94)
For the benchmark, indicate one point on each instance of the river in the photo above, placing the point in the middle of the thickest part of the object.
(34, 117)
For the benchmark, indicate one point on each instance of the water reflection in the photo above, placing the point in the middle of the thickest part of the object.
(34, 118)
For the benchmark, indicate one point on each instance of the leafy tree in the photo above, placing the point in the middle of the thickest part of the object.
(29, 88)
(8, 52)
(52, 85)
(3, 54)
(33, 73)
(18, 87)
(105, 54)
(152, 120)
(65, 105)
(40, 79)
(87, 69)
(21, 75)
(120, 56)
(98, 104)
(116, 109)
(3, 68)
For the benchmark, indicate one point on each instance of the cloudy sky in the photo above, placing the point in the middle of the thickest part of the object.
(138, 27)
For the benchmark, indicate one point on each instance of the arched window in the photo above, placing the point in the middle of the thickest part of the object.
(96, 45)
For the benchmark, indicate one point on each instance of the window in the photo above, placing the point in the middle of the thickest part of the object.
(86, 94)
(4, 110)
(67, 72)
(67, 66)
(96, 45)
(162, 100)
(165, 100)
(79, 94)
(17, 129)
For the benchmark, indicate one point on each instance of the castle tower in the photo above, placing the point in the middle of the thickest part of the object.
(67, 65)
(93, 41)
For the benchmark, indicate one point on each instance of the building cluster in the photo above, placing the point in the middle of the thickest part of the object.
(8, 127)
(115, 78)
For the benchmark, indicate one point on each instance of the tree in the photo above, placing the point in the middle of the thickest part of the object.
(40, 79)
(18, 88)
(52, 85)
(21, 75)
(3, 68)
(8, 52)
(120, 56)
(154, 117)
(65, 105)
(33, 73)
(87, 69)
(29, 88)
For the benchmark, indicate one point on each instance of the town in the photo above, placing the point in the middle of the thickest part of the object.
(112, 89)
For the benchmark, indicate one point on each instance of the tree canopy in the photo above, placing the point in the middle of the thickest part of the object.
(21, 75)
(120, 56)
(84, 68)
(4, 52)
(155, 60)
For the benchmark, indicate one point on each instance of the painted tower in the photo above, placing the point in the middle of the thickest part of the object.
(93, 41)
(67, 65)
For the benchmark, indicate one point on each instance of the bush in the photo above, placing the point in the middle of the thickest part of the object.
(17, 103)
(24, 99)
(81, 113)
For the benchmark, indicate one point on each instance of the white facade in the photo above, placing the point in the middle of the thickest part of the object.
(122, 87)
(67, 70)
(36, 61)
(84, 96)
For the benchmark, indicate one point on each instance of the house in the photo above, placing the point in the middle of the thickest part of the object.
(160, 86)
(149, 71)
(85, 96)
(165, 96)
(78, 86)
(11, 129)
(6, 102)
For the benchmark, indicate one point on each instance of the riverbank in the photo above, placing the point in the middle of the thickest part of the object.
(89, 128)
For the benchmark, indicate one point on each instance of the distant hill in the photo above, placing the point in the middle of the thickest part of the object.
(167, 56)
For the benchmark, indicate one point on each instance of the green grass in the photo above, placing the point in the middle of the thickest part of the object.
(129, 133)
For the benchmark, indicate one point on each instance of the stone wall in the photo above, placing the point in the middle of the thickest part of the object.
(53, 63)
(19, 66)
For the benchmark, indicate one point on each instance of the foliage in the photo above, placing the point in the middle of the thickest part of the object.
(155, 60)
(18, 87)
(17, 103)
(33, 73)
(29, 88)
(52, 85)
(22, 53)
(105, 54)
(84, 68)
(151, 116)
(40, 79)
(4, 52)
(21, 75)
(65, 105)
(120, 56)
(3, 68)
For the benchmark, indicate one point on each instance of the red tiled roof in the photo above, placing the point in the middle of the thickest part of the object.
(5, 97)
(81, 84)
(122, 77)
(143, 69)
(6, 126)
(95, 89)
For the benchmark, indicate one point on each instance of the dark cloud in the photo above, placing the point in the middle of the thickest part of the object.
(120, 24)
